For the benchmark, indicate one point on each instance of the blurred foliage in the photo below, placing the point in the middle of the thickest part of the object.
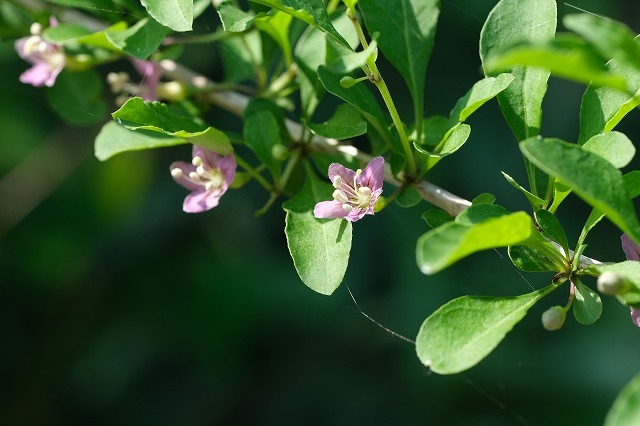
(117, 309)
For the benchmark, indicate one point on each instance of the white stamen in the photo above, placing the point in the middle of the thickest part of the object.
(340, 196)
(176, 173)
(200, 170)
(197, 161)
(32, 44)
(36, 28)
(365, 190)
(194, 176)
(210, 186)
(347, 208)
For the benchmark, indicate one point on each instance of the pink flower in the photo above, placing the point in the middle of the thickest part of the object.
(632, 251)
(47, 58)
(355, 193)
(208, 177)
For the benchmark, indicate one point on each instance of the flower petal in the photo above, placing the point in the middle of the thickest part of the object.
(200, 201)
(635, 316)
(329, 210)
(183, 179)
(39, 75)
(373, 175)
(227, 165)
(630, 248)
(336, 169)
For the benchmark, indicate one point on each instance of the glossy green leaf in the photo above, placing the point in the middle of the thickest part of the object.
(155, 116)
(481, 92)
(342, 60)
(261, 134)
(345, 123)
(407, 32)
(64, 33)
(484, 198)
(510, 22)
(602, 108)
(77, 97)
(552, 228)
(175, 14)
(536, 202)
(560, 192)
(358, 96)
(605, 189)
(114, 139)
(277, 26)
(465, 330)
(611, 39)
(141, 40)
(587, 306)
(528, 259)
(240, 55)
(434, 129)
(567, 56)
(443, 246)
(615, 147)
(319, 247)
(625, 410)
(234, 19)
(313, 12)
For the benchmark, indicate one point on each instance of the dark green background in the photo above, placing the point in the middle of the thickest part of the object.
(117, 308)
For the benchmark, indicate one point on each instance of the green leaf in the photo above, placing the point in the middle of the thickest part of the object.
(436, 217)
(443, 246)
(451, 142)
(155, 116)
(409, 197)
(63, 33)
(587, 306)
(484, 198)
(345, 123)
(342, 60)
(615, 147)
(625, 410)
(313, 12)
(407, 32)
(481, 92)
(479, 213)
(560, 192)
(239, 56)
(234, 19)
(465, 330)
(567, 56)
(528, 259)
(611, 39)
(114, 139)
(76, 97)
(141, 40)
(605, 189)
(434, 129)
(175, 14)
(261, 134)
(602, 108)
(510, 22)
(277, 26)
(357, 96)
(536, 202)
(551, 228)
(319, 247)
(629, 271)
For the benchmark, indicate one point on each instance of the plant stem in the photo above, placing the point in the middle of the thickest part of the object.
(254, 173)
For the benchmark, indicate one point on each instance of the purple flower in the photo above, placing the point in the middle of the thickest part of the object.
(47, 58)
(208, 177)
(632, 251)
(151, 73)
(355, 193)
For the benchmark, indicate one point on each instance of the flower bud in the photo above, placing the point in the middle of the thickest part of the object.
(380, 204)
(171, 91)
(279, 152)
(610, 283)
(553, 318)
(347, 82)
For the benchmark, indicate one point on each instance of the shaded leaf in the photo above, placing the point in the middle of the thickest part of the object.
(319, 247)
(141, 40)
(436, 217)
(551, 228)
(345, 123)
(587, 306)
(234, 19)
(261, 134)
(76, 97)
(536, 202)
(625, 410)
(528, 259)
(604, 190)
